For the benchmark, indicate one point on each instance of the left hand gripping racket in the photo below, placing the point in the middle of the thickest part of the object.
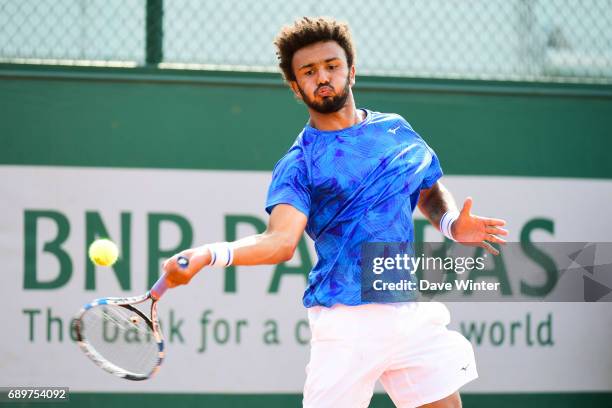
(122, 335)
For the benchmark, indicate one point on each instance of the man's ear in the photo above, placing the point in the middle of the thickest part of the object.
(352, 76)
(295, 89)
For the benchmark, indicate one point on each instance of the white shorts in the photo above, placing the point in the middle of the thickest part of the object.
(405, 346)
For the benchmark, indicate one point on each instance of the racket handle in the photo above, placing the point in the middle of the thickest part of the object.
(182, 262)
(161, 286)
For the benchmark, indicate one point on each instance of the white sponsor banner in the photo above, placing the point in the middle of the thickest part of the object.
(254, 339)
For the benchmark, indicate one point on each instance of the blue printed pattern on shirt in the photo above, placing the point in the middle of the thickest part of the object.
(356, 185)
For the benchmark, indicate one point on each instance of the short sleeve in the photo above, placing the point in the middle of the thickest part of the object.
(434, 171)
(290, 183)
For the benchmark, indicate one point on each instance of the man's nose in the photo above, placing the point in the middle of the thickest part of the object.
(323, 77)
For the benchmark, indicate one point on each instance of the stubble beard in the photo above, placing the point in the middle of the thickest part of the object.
(329, 104)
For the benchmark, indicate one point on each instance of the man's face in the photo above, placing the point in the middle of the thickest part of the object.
(323, 78)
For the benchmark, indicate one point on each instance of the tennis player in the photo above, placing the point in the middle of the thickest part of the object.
(355, 176)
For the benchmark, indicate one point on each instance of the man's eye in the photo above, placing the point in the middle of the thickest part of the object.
(308, 73)
(331, 67)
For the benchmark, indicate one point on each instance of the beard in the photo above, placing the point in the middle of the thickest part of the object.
(330, 104)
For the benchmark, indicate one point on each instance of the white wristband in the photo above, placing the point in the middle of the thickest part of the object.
(446, 222)
(221, 254)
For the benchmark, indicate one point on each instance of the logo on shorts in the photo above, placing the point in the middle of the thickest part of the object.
(465, 368)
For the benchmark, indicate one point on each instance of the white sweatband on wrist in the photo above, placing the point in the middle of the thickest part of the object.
(221, 254)
(446, 222)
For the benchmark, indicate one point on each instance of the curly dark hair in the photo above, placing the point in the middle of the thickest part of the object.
(307, 31)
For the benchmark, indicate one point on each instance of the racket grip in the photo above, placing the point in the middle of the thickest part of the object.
(182, 262)
(161, 286)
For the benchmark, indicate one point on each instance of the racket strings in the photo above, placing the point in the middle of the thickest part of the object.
(122, 336)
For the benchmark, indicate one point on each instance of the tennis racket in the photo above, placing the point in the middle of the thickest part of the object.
(122, 335)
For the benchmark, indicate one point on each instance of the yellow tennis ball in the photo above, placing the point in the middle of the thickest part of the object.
(103, 252)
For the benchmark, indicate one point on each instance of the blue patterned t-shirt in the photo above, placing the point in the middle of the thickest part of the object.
(355, 185)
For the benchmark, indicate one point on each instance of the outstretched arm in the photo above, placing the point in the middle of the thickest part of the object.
(277, 244)
(468, 229)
